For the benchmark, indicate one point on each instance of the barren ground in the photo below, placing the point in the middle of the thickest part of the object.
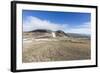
(59, 49)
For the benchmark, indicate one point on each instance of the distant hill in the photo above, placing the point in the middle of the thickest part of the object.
(78, 35)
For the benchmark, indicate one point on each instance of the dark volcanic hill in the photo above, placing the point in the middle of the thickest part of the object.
(41, 31)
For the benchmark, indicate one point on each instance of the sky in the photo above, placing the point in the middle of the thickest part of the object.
(69, 22)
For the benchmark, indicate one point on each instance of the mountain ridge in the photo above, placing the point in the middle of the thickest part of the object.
(45, 33)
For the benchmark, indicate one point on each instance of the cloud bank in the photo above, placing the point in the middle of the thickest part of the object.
(32, 23)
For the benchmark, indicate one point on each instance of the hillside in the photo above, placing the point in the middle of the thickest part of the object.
(43, 33)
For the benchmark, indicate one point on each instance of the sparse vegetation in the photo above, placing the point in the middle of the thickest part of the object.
(56, 49)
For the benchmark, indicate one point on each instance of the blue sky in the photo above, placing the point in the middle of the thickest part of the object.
(71, 22)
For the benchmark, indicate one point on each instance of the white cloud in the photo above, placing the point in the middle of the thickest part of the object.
(84, 28)
(32, 23)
